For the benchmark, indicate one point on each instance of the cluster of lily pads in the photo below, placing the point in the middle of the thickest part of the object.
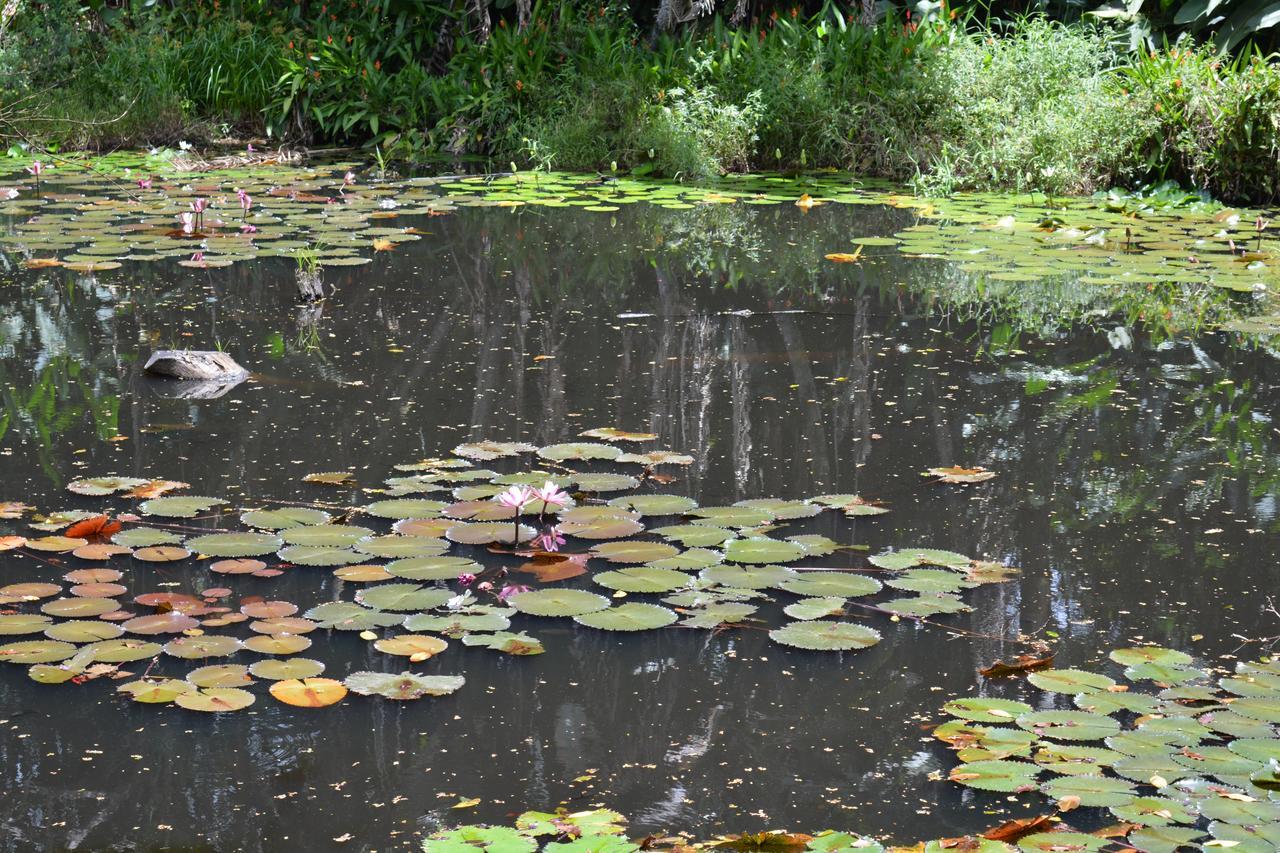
(96, 215)
(446, 570)
(604, 831)
(1191, 762)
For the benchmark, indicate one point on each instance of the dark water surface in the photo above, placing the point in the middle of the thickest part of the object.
(1137, 491)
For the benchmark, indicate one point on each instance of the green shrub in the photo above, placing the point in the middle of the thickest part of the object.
(1035, 108)
(1219, 120)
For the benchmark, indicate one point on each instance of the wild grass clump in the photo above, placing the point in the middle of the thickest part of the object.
(1217, 119)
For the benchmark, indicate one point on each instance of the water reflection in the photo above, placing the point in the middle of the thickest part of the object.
(1137, 485)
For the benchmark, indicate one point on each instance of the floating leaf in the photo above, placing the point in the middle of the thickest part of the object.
(655, 458)
(987, 710)
(631, 616)
(325, 535)
(1001, 775)
(346, 616)
(318, 555)
(825, 636)
(204, 646)
(156, 691)
(579, 451)
(433, 568)
(220, 675)
(98, 486)
(611, 434)
(235, 544)
(188, 506)
(911, 557)
(512, 644)
(642, 579)
(36, 651)
(558, 602)
(714, 615)
(814, 608)
(309, 692)
(1069, 725)
(279, 670)
(124, 650)
(830, 585)
(763, 550)
(402, 597)
(1069, 681)
(961, 475)
(215, 699)
(487, 450)
(655, 504)
(142, 537)
(279, 519)
(633, 552)
(416, 646)
(399, 508)
(161, 554)
(1091, 790)
(404, 686)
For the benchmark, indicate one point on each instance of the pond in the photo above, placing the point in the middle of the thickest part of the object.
(1133, 443)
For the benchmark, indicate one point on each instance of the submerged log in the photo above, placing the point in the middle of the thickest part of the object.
(202, 365)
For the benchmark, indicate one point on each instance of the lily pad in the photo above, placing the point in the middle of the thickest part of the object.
(814, 608)
(279, 519)
(763, 551)
(235, 544)
(642, 579)
(631, 616)
(404, 686)
(346, 616)
(830, 585)
(402, 597)
(558, 602)
(215, 699)
(188, 506)
(825, 636)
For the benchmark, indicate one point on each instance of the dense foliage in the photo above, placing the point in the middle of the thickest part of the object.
(938, 97)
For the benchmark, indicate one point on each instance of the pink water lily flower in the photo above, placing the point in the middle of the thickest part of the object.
(246, 202)
(37, 168)
(466, 579)
(550, 493)
(198, 207)
(510, 590)
(248, 229)
(516, 497)
(484, 586)
(197, 257)
(144, 183)
(549, 541)
(349, 179)
(188, 220)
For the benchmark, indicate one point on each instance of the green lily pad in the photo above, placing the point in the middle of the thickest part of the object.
(457, 624)
(1004, 776)
(925, 605)
(987, 710)
(633, 552)
(814, 608)
(145, 537)
(909, 558)
(404, 686)
(278, 519)
(558, 602)
(23, 623)
(748, 577)
(402, 597)
(325, 535)
(642, 579)
(731, 516)
(631, 616)
(695, 535)
(319, 555)
(1150, 654)
(830, 585)
(346, 616)
(506, 642)
(282, 670)
(1069, 725)
(1163, 839)
(1069, 681)
(401, 547)
(655, 504)
(235, 544)
(398, 508)
(220, 675)
(825, 636)
(36, 651)
(215, 699)
(188, 506)
(606, 482)
(203, 646)
(580, 450)
(123, 650)
(83, 631)
(433, 568)
(762, 551)
(1153, 811)
(1046, 842)
(488, 839)
(929, 580)
(714, 615)
(98, 486)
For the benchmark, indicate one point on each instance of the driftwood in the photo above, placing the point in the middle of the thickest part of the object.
(203, 365)
(310, 287)
(192, 389)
